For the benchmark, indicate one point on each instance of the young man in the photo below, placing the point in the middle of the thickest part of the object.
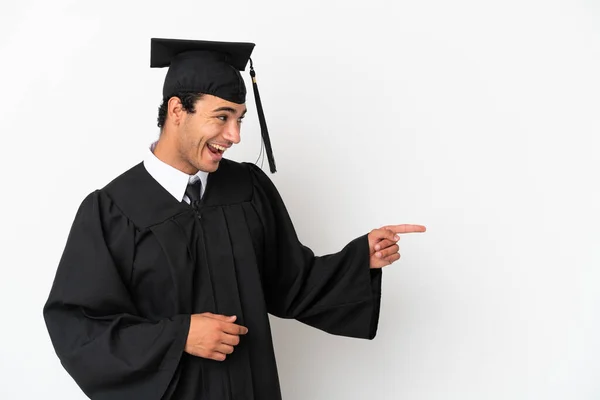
(169, 272)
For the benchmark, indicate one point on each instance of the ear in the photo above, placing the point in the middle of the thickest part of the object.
(175, 110)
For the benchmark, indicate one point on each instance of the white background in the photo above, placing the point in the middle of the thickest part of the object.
(478, 119)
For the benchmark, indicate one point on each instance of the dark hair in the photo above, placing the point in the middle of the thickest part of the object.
(188, 101)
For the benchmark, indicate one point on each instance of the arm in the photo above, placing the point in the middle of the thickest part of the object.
(337, 293)
(102, 342)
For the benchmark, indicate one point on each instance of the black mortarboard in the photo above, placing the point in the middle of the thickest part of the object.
(200, 66)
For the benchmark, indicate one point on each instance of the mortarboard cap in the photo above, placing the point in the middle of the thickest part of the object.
(208, 67)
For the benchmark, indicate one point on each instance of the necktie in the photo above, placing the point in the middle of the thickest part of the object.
(193, 192)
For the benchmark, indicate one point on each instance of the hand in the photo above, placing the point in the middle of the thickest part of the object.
(383, 247)
(213, 336)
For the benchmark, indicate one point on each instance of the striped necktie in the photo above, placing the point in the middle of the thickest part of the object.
(193, 191)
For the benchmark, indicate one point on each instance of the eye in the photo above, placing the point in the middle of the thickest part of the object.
(222, 118)
(240, 120)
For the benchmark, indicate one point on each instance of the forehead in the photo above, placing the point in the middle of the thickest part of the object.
(210, 103)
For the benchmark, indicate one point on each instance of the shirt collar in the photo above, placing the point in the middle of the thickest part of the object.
(170, 178)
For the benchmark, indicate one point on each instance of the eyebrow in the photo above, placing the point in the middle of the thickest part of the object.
(229, 109)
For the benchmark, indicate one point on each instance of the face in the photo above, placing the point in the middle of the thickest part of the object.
(205, 135)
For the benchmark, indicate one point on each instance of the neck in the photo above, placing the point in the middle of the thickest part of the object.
(167, 151)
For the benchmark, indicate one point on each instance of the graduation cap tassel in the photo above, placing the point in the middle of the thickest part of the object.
(263, 124)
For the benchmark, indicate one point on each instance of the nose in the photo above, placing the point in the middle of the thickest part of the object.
(232, 133)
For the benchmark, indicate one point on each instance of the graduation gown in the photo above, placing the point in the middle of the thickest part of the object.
(137, 264)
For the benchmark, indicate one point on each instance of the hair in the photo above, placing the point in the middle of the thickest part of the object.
(188, 102)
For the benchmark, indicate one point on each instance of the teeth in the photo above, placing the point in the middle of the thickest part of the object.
(216, 146)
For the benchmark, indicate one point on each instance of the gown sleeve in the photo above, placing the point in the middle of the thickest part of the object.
(337, 293)
(110, 351)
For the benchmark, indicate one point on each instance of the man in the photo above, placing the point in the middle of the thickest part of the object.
(169, 272)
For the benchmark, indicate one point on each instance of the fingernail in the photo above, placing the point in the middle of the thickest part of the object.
(378, 255)
(396, 237)
(377, 247)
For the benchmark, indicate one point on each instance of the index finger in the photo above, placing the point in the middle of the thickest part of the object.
(233, 329)
(405, 228)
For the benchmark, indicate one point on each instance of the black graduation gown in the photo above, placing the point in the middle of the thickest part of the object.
(137, 263)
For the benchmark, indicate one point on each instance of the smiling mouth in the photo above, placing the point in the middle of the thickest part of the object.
(216, 149)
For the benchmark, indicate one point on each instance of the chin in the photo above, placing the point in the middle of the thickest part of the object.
(209, 166)
(213, 168)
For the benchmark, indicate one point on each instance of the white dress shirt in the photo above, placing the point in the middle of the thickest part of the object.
(172, 179)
